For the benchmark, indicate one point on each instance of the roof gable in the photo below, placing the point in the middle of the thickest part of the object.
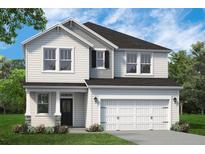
(55, 26)
(123, 40)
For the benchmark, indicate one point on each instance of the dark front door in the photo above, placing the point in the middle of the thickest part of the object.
(67, 112)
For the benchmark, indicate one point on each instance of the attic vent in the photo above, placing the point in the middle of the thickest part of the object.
(58, 29)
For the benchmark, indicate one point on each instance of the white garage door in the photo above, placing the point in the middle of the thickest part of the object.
(134, 114)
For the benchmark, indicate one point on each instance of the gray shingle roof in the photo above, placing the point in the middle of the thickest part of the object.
(123, 40)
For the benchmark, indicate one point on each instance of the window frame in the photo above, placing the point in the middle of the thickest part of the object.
(49, 59)
(146, 63)
(136, 64)
(100, 50)
(57, 70)
(71, 59)
(49, 99)
(138, 72)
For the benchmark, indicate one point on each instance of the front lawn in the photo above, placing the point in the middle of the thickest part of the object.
(197, 123)
(8, 137)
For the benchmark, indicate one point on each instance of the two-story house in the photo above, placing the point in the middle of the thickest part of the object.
(81, 74)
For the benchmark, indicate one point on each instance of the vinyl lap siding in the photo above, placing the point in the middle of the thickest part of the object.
(78, 110)
(93, 109)
(160, 65)
(34, 58)
(47, 120)
(95, 73)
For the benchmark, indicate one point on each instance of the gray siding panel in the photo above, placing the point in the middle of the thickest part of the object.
(34, 58)
(160, 65)
(95, 73)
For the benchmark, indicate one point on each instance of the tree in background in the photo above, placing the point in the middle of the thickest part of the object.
(12, 93)
(180, 70)
(198, 52)
(12, 19)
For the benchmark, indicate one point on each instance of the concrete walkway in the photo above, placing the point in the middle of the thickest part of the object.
(160, 137)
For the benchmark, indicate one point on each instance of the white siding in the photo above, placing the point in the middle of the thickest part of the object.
(93, 108)
(34, 58)
(160, 65)
(95, 73)
(49, 120)
(78, 110)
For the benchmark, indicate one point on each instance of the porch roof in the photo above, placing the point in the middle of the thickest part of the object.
(28, 84)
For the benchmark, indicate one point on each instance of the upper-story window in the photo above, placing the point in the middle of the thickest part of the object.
(58, 59)
(49, 59)
(65, 59)
(131, 63)
(100, 59)
(138, 63)
(145, 63)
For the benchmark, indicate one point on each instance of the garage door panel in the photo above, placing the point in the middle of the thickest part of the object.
(134, 114)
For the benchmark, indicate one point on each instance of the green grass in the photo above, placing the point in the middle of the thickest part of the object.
(8, 137)
(197, 123)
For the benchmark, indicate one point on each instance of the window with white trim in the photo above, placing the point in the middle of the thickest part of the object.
(145, 65)
(42, 104)
(131, 66)
(65, 59)
(49, 58)
(100, 59)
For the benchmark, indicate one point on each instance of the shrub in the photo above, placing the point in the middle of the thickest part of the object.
(95, 128)
(49, 130)
(18, 128)
(24, 128)
(61, 129)
(40, 129)
(181, 126)
(31, 130)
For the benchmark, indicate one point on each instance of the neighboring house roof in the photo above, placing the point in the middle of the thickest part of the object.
(122, 40)
(54, 84)
(132, 82)
(61, 26)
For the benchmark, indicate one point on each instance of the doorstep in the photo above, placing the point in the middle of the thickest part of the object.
(78, 130)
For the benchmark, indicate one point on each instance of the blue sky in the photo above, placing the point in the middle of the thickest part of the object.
(173, 28)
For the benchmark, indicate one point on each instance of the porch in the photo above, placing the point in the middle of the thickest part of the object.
(52, 106)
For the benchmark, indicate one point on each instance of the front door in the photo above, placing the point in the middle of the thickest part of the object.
(66, 111)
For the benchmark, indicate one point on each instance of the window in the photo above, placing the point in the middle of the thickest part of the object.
(131, 62)
(49, 59)
(145, 63)
(42, 103)
(100, 59)
(65, 59)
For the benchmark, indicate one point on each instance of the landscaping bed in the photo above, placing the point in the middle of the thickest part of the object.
(7, 136)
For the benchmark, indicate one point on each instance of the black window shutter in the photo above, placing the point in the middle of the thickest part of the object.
(107, 59)
(93, 58)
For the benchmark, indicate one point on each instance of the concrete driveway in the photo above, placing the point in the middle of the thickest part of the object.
(160, 137)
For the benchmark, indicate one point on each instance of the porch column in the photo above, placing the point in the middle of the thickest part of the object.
(28, 108)
(57, 110)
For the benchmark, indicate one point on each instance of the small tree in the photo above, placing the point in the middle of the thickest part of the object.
(12, 91)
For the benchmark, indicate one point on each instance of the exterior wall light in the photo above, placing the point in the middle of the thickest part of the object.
(95, 99)
(175, 100)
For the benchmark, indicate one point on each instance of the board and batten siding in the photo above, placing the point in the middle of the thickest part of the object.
(95, 73)
(93, 108)
(160, 65)
(34, 58)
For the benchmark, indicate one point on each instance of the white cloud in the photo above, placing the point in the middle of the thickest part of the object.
(82, 15)
(166, 27)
